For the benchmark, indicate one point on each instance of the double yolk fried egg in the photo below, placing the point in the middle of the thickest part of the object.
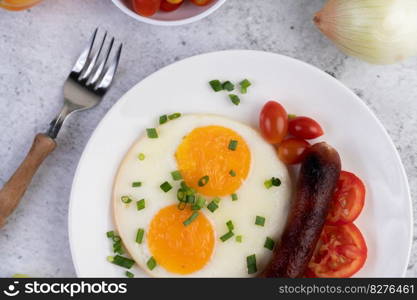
(199, 147)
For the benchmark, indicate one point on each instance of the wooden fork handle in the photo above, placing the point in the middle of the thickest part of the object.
(14, 189)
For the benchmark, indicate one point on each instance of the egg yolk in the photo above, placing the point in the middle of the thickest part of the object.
(178, 248)
(213, 160)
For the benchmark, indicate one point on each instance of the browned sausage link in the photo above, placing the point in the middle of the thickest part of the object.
(318, 177)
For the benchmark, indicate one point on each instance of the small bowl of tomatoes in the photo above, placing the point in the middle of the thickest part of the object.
(168, 12)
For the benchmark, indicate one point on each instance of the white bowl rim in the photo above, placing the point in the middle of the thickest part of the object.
(151, 21)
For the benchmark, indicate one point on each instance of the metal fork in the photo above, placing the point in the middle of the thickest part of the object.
(85, 87)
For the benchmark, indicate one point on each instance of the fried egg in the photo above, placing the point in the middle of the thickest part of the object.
(226, 163)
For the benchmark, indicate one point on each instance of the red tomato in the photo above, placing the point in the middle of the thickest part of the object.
(291, 151)
(304, 128)
(168, 6)
(146, 8)
(273, 122)
(348, 199)
(201, 2)
(340, 252)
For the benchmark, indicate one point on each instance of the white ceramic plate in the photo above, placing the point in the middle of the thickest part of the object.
(364, 146)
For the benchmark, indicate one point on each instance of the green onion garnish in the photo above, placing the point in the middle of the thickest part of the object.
(191, 218)
(239, 238)
(234, 197)
(151, 263)
(110, 234)
(110, 258)
(126, 199)
(152, 133)
(199, 203)
(268, 183)
(275, 181)
(232, 145)
(116, 239)
(228, 86)
(129, 274)
(123, 261)
(139, 235)
(244, 84)
(174, 116)
(140, 204)
(163, 119)
(181, 195)
(292, 116)
(269, 243)
(260, 221)
(232, 173)
(203, 180)
(117, 247)
(216, 85)
(136, 184)
(166, 186)
(230, 225)
(216, 200)
(251, 264)
(176, 175)
(141, 156)
(235, 99)
(226, 236)
(190, 199)
(212, 206)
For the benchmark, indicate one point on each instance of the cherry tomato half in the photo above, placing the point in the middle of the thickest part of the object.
(340, 252)
(170, 6)
(201, 2)
(348, 199)
(304, 128)
(273, 122)
(146, 8)
(291, 151)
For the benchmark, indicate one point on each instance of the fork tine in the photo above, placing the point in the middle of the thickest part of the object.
(99, 70)
(93, 60)
(108, 76)
(82, 59)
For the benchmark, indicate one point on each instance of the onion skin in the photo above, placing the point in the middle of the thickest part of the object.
(377, 31)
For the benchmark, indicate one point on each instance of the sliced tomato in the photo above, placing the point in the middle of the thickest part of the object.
(340, 252)
(348, 199)
(273, 122)
(169, 5)
(146, 8)
(201, 2)
(304, 128)
(292, 150)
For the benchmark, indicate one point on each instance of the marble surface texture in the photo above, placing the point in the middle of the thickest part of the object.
(38, 47)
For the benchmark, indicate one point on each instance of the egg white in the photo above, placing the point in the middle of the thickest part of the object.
(229, 258)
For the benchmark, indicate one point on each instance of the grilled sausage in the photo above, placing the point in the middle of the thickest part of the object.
(317, 181)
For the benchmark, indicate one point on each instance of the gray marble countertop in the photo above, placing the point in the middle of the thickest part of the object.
(38, 47)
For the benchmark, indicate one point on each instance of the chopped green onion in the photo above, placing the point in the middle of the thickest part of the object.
(239, 238)
(251, 264)
(230, 225)
(191, 218)
(244, 84)
(176, 175)
(117, 247)
(151, 263)
(141, 156)
(269, 243)
(129, 274)
(174, 116)
(232, 145)
(199, 203)
(260, 221)
(212, 206)
(235, 99)
(136, 184)
(123, 261)
(181, 205)
(226, 236)
(216, 85)
(268, 183)
(190, 199)
(232, 173)
(291, 116)
(181, 195)
(152, 133)
(216, 200)
(276, 181)
(116, 238)
(139, 235)
(234, 197)
(126, 199)
(228, 86)
(110, 258)
(110, 234)
(203, 180)
(140, 204)
(166, 187)
(163, 119)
